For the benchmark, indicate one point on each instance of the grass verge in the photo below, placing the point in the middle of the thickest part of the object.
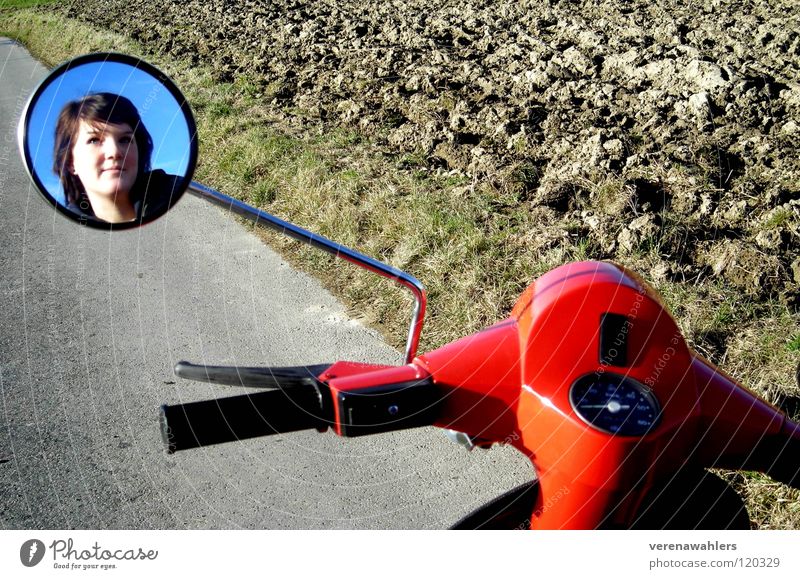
(475, 247)
(15, 4)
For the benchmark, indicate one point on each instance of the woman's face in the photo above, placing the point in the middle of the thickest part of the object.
(105, 158)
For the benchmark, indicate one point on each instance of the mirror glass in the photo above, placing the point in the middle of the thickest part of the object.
(109, 140)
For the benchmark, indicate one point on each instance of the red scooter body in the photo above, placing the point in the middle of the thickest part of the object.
(589, 377)
(511, 382)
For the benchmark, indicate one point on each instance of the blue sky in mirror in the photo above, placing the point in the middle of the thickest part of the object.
(160, 113)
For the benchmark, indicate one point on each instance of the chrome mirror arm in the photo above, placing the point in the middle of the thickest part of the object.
(359, 259)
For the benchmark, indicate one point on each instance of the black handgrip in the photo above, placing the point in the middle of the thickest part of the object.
(256, 377)
(785, 467)
(196, 424)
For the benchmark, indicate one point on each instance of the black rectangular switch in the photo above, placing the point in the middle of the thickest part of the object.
(614, 330)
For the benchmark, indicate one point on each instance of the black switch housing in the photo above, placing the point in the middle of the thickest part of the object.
(614, 331)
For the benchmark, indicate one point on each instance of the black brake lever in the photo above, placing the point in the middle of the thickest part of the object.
(286, 377)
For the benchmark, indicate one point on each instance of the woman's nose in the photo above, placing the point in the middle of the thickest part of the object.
(112, 148)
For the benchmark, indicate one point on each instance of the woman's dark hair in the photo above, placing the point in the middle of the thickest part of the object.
(99, 108)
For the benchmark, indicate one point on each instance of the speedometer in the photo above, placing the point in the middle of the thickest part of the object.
(615, 404)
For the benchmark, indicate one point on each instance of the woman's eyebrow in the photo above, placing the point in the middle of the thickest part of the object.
(109, 129)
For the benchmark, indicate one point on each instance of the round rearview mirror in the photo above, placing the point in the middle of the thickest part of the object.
(109, 141)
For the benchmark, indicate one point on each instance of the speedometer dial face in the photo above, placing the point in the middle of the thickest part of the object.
(615, 404)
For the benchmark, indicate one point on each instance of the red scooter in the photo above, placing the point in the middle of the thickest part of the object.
(589, 376)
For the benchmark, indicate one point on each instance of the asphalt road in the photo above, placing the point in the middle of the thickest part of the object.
(91, 325)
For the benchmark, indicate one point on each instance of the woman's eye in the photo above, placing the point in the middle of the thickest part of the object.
(92, 140)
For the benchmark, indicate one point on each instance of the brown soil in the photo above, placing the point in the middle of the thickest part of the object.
(670, 126)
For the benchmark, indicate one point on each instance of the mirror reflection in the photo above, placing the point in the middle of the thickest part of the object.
(109, 140)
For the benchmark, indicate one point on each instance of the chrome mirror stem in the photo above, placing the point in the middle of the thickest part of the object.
(359, 259)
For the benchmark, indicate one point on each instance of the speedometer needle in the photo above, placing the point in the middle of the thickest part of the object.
(611, 406)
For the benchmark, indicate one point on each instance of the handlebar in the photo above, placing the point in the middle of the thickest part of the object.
(785, 450)
(353, 399)
(741, 431)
